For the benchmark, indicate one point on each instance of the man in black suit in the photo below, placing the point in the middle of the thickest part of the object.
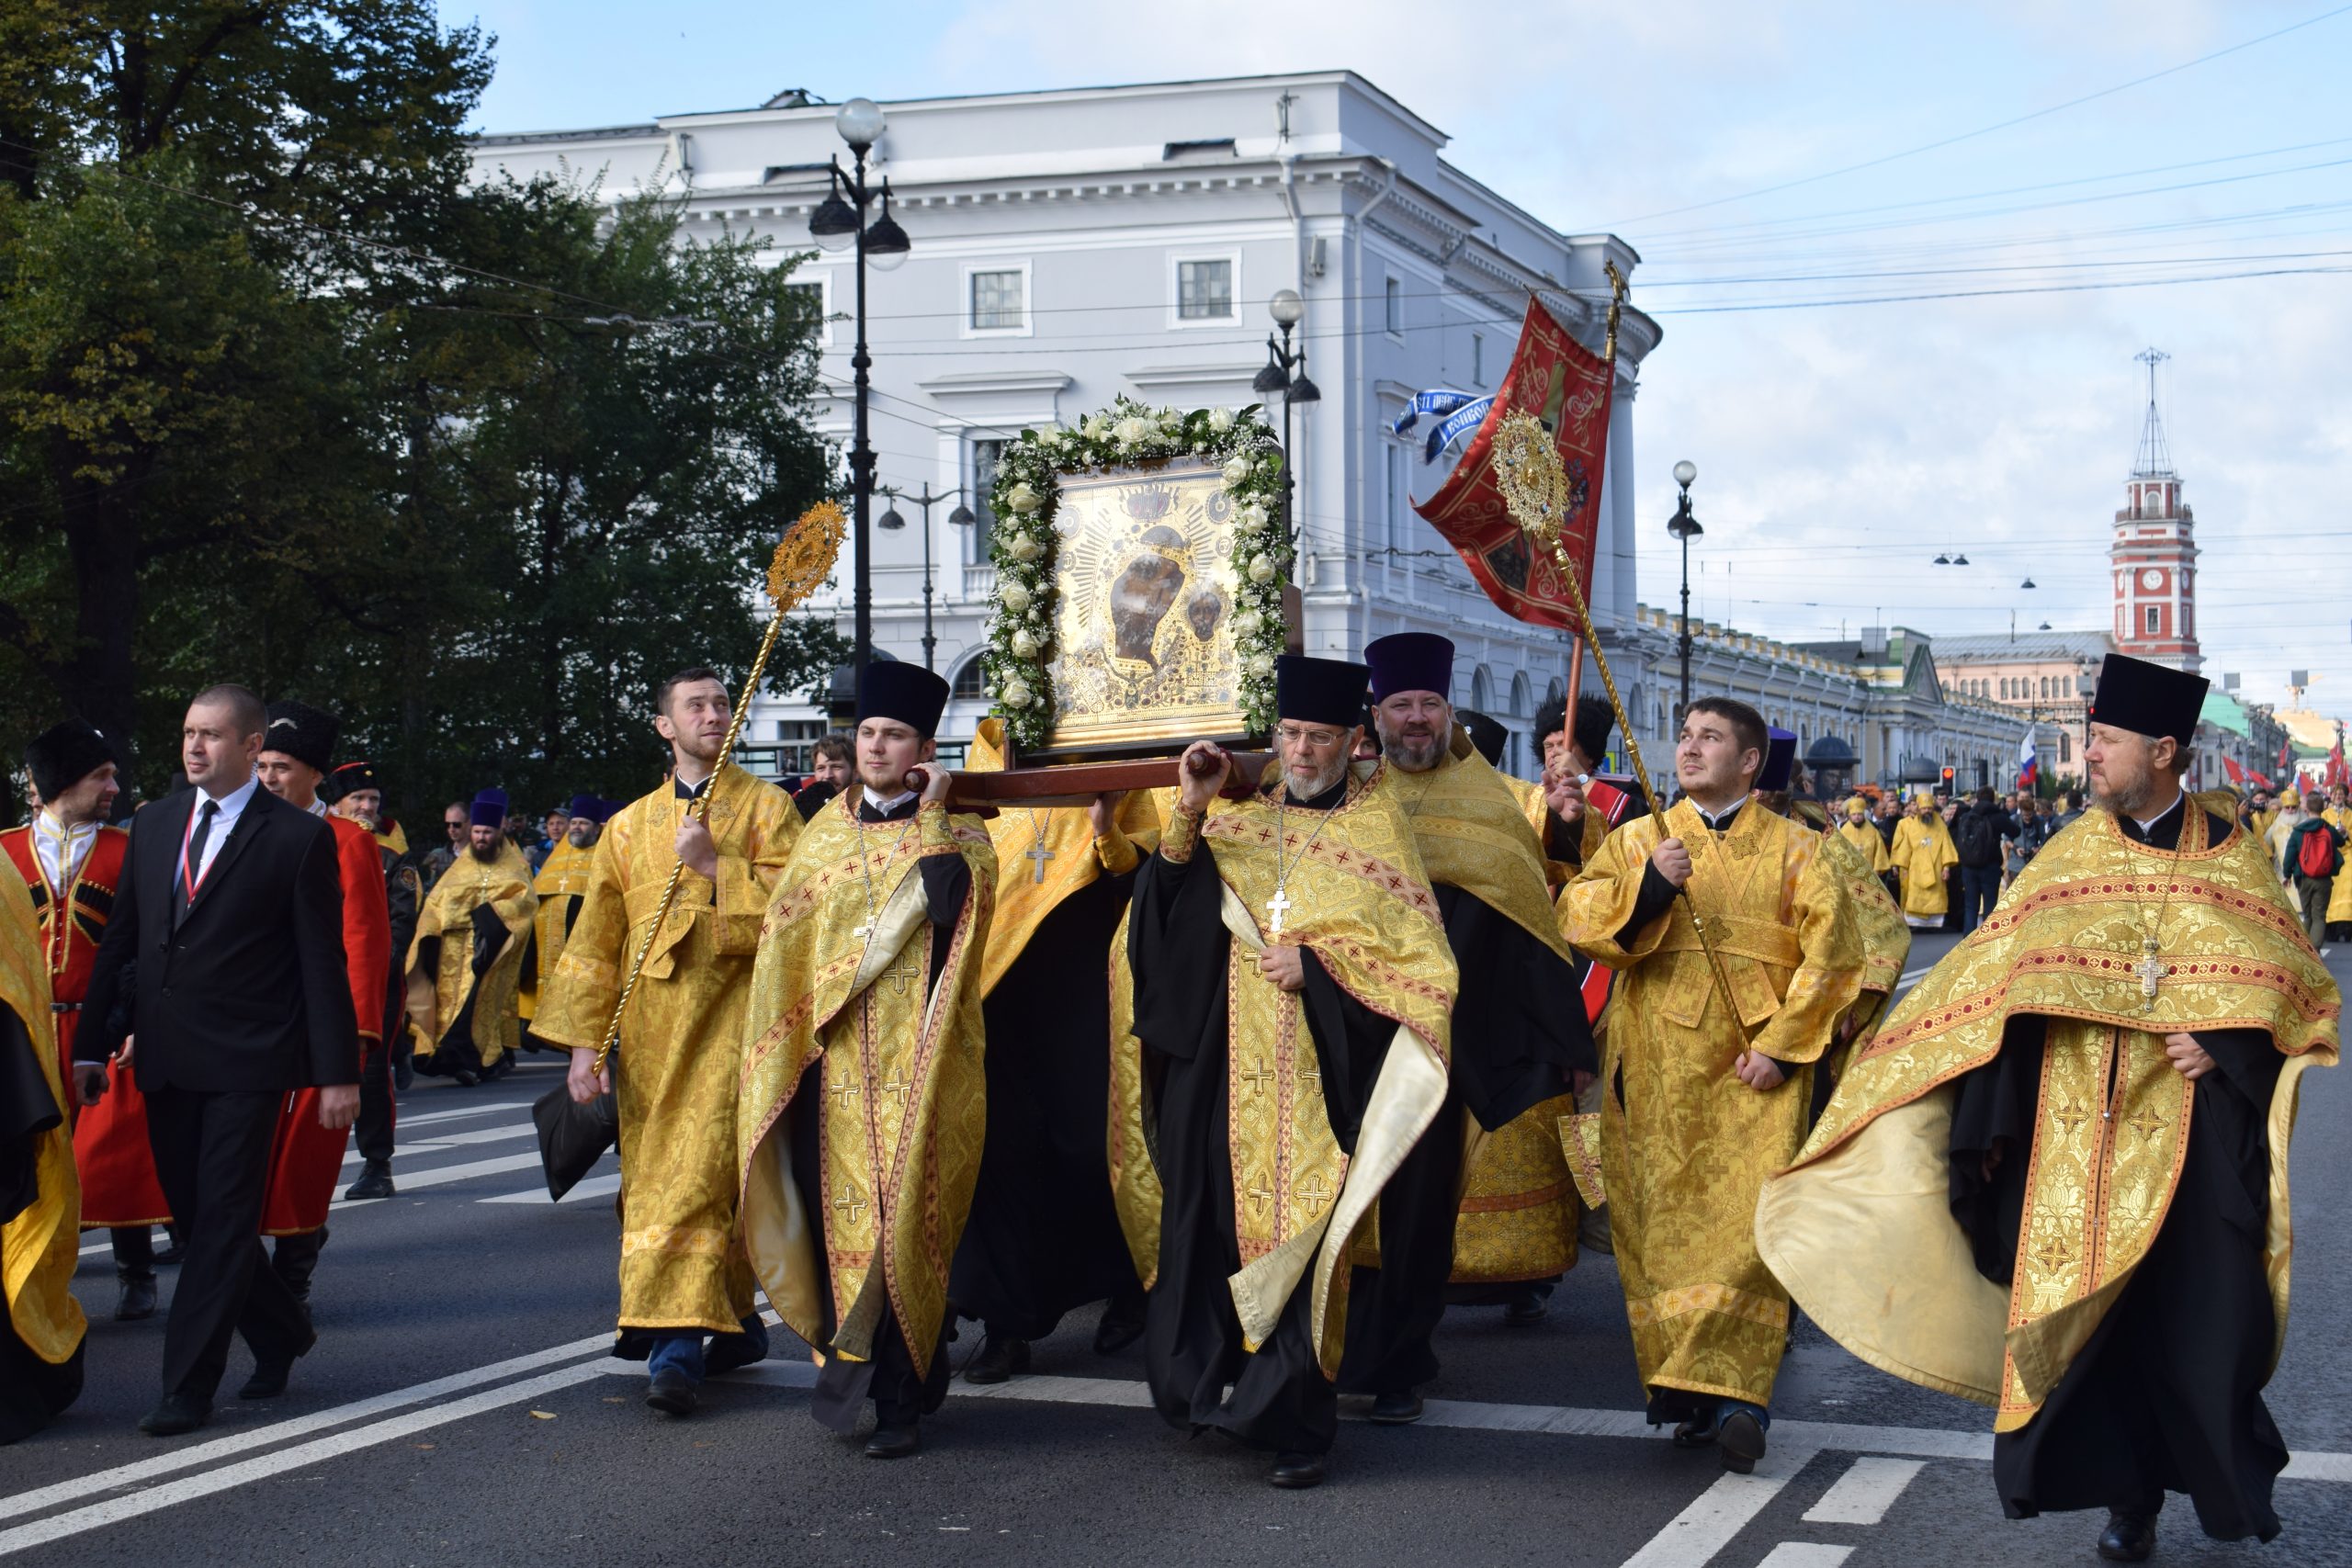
(227, 943)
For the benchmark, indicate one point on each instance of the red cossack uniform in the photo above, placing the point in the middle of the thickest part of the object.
(306, 1166)
(110, 1153)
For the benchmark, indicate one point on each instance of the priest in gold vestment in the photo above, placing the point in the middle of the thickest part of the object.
(2055, 1183)
(1922, 849)
(864, 1096)
(560, 887)
(1857, 829)
(1699, 1105)
(1521, 1045)
(687, 1306)
(40, 1198)
(465, 964)
(1042, 1237)
(1288, 983)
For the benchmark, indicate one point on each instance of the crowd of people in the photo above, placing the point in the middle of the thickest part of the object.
(1275, 1063)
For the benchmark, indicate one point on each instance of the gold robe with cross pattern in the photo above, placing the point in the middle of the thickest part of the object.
(1861, 1227)
(676, 1069)
(1356, 896)
(843, 982)
(1921, 852)
(562, 882)
(436, 999)
(1685, 1144)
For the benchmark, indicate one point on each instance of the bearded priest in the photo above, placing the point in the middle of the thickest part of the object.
(1288, 985)
(467, 956)
(864, 1094)
(686, 1296)
(2056, 1182)
(1700, 1102)
(1521, 1046)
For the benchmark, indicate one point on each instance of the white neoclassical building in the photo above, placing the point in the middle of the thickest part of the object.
(1070, 247)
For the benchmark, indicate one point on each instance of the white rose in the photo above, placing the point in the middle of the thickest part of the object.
(1261, 569)
(1247, 622)
(1022, 499)
(1025, 548)
(1261, 664)
(1133, 431)
(1016, 695)
(1249, 514)
(1096, 425)
(1025, 645)
(1013, 597)
(1220, 420)
(1050, 436)
(1170, 420)
(1236, 469)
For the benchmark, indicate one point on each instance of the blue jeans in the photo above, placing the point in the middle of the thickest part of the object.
(681, 1349)
(1980, 890)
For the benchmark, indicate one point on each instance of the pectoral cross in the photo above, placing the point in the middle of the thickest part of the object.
(1039, 854)
(1277, 907)
(2152, 969)
(900, 973)
(849, 1208)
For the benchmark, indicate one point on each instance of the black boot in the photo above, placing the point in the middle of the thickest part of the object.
(2129, 1536)
(134, 1268)
(998, 1359)
(295, 1257)
(375, 1182)
(138, 1298)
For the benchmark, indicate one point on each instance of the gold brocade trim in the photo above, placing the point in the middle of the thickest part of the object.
(1287, 1164)
(1712, 1296)
(676, 1240)
(1506, 1202)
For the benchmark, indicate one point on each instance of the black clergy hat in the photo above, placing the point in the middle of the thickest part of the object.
(1595, 720)
(908, 693)
(1551, 718)
(1488, 735)
(61, 756)
(1780, 759)
(593, 807)
(1410, 662)
(489, 809)
(350, 779)
(2148, 699)
(302, 732)
(1319, 691)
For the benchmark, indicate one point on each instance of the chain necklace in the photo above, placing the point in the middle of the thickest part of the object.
(1280, 904)
(2150, 969)
(866, 866)
(1036, 854)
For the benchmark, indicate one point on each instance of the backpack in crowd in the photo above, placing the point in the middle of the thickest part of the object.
(2316, 855)
(1978, 844)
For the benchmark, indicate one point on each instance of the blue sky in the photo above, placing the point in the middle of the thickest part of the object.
(1839, 448)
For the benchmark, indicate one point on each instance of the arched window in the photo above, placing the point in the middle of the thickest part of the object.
(967, 680)
(1522, 697)
(1482, 689)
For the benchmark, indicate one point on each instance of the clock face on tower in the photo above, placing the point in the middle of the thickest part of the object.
(2152, 579)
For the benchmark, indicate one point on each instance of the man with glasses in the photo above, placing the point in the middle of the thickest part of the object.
(458, 820)
(1287, 989)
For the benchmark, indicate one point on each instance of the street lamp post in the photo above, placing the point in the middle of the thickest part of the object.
(838, 223)
(1287, 373)
(1685, 527)
(961, 517)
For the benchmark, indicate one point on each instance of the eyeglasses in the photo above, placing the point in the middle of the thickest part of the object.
(1291, 734)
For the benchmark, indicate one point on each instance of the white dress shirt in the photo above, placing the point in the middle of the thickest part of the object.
(232, 805)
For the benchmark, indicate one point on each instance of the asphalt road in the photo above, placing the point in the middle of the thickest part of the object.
(460, 1409)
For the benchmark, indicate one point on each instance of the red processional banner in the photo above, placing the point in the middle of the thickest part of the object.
(1554, 377)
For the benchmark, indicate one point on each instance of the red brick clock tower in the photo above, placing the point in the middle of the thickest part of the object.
(2154, 553)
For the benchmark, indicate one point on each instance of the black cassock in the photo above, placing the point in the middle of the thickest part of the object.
(2166, 1396)
(1043, 1235)
(32, 1393)
(1177, 949)
(1517, 1029)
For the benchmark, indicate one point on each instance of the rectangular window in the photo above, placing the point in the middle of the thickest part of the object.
(1392, 461)
(1395, 307)
(985, 455)
(1477, 359)
(1204, 290)
(2156, 619)
(996, 303)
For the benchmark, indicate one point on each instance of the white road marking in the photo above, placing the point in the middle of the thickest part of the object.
(220, 1448)
(441, 1176)
(421, 1120)
(41, 1532)
(1804, 1554)
(1694, 1536)
(1863, 1495)
(455, 1141)
(588, 1186)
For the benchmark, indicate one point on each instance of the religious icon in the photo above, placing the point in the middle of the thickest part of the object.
(1144, 662)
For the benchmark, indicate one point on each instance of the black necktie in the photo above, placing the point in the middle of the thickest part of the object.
(195, 868)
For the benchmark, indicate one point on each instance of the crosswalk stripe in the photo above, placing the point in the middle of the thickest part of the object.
(591, 1187)
(424, 1118)
(1863, 1495)
(441, 1176)
(455, 1140)
(1805, 1554)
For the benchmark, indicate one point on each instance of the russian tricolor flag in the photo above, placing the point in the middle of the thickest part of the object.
(2029, 765)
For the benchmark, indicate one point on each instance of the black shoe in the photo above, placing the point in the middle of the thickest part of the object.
(1526, 1311)
(176, 1413)
(672, 1393)
(403, 1075)
(467, 1078)
(1699, 1431)
(730, 1352)
(1121, 1326)
(375, 1182)
(268, 1380)
(1296, 1472)
(171, 1251)
(894, 1442)
(137, 1301)
(1740, 1442)
(1400, 1409)
(2129, 1536)
(998, 1360)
